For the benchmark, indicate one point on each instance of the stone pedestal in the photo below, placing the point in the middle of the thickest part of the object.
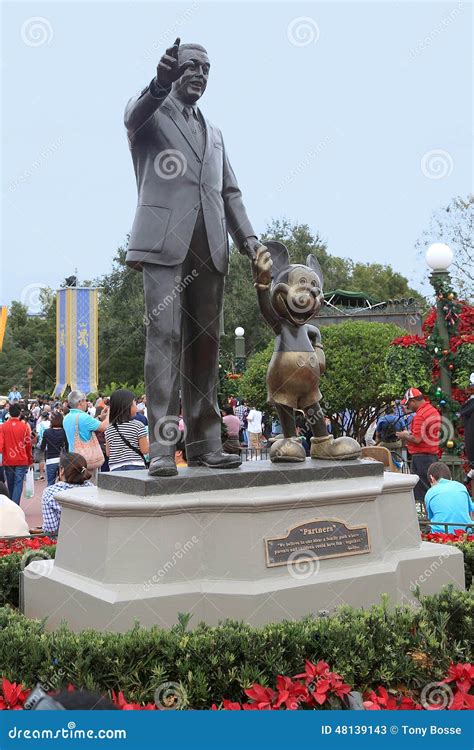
(141, 549)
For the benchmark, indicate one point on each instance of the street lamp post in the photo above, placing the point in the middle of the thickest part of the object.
(239, 359)
(439, 257)
(29, 375)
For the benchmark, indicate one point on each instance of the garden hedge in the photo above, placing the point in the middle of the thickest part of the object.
(13, 563)
(386, 645)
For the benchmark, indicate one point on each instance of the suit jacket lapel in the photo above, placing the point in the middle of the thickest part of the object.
(207, 133)
(180, 122)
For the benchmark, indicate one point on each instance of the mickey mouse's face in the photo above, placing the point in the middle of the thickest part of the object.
(300, 298)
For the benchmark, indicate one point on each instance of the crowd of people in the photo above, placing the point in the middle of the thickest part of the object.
(69, 441)
(72, 440)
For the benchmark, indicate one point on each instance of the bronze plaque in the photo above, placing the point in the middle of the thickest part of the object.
(315, 540)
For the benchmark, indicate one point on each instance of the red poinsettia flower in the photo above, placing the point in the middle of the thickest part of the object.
(408, 341)
(231, 705)
(382, 701)
(262, 696)
(13, 696)
(290, 693)
(123, 704)
(461, 674)
(312, 671)
(339, 687)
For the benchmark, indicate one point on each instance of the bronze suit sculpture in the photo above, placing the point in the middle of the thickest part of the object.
(290, 296)
(188, 200)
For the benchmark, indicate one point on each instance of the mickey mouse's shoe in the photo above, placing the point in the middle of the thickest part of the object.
(339, 449)
(287, 450)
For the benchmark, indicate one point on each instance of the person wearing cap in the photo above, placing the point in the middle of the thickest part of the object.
(140, 415)
(422, 440)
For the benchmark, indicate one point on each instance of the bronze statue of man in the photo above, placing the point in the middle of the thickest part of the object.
(188, 201)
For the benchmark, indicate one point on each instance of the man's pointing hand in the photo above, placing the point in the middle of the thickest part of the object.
(169, 70)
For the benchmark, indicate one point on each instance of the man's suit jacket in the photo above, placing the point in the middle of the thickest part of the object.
(167, 206)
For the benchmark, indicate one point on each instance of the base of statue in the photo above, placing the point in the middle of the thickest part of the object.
(262, 543)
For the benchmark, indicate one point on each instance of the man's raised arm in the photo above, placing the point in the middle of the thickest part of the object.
(140, 108)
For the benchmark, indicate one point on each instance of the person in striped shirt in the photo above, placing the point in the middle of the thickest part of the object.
(126, 438)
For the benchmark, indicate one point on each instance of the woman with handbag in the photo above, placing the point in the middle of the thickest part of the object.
(80, 429)
(126, 438)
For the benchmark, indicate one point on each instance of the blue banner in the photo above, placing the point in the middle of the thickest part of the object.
(61, 350)
(77, 361)
(84, 350)
(219, 730)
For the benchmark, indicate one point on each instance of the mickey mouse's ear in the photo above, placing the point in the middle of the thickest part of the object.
(279, 255)
(312, 263)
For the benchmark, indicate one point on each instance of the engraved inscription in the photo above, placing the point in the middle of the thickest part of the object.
(316, 539)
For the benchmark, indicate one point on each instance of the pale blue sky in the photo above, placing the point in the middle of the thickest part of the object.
(326, 120)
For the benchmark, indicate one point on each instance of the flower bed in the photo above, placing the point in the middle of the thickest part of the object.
(399, 648)
(461, 540)
(15, 555)
(21, 544)
(316, 688)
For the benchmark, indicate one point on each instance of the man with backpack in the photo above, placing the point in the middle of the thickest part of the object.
(387, 426)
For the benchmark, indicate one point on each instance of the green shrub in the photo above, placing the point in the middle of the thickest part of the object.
(368, 647)
(467, 548)
(10, 568)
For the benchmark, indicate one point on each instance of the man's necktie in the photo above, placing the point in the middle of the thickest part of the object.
(195, 127)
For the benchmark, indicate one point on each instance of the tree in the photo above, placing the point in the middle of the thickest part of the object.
(453, 225)
(240, 301)
(121, 324)
(30, 342)
(353, 384)
(380, 282)
(252, 385)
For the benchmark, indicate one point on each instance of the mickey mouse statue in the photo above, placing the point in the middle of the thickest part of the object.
(289, 297)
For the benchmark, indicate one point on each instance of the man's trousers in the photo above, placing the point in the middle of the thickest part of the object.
(421, 462)
(183, 309)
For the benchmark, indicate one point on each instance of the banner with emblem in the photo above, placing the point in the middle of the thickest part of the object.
(3, 323)
(61, 349)
(77, 339)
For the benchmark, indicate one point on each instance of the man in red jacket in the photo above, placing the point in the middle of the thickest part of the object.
(422, 440)
(15, 447)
